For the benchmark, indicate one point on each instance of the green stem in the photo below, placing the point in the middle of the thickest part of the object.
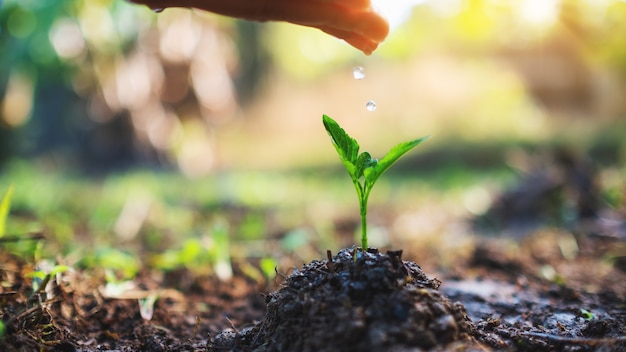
(362, 194)
(363, 197)
(364, 225)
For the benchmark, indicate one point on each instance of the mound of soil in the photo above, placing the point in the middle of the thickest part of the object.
(358, 301)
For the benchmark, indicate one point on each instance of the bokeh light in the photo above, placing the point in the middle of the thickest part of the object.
(478, 70)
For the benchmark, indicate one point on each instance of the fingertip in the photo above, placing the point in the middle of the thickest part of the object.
(364, 45)
(369, 49)
(374, 26)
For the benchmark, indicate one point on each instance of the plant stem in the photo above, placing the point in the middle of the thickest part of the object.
(364, 225)
(364, 193)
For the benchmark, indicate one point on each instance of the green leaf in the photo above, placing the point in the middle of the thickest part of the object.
(5, 205)
(587, 315)
(346, 146)
(364, 162)
(268, 267)
(373, 173)
(146, 306)
(37, 274)
(58, 269)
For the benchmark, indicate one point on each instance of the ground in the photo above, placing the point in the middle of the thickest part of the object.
(492, 301)
(521, 281)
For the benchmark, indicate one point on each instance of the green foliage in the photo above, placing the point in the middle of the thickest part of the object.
(178, 231)
(295, 239)
(122, 262)
(268, 267)
(146, 306)
(587, 315)
(221, 251)
(41, 278)
(362, 168)
(198, 253)
(5, 205)
(189, 255)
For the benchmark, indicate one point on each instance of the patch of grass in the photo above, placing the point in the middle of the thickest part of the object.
(172, 217)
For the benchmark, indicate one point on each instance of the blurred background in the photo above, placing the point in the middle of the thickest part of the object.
(125, 128)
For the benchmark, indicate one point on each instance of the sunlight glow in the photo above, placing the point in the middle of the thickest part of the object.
(67, 39)
(396, 12)
(540, 12)
(534, 12)
(16, 107)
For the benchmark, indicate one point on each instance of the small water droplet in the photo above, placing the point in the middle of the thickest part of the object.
(370, 105)
(358, 72)
(158, 10)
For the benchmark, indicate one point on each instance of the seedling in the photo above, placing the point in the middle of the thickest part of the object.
(5, 205)
(41, 278)
(362, 168)
(586, 314)
(146, 306)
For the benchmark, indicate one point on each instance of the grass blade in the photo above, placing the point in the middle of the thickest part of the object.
(5, 205)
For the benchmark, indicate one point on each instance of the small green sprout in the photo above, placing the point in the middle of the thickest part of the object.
(41, 278)
(5, 205)
(363, 169)
(146, 306)
(221, 251)
(586, 314)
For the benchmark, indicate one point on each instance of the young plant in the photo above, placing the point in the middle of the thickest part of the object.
(362, 168)
(5, 205)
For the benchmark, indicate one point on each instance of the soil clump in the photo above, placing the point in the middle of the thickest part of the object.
(359, 301)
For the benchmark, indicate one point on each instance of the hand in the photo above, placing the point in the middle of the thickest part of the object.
(354, 21)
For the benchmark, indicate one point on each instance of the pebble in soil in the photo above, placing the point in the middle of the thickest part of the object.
(374, 302)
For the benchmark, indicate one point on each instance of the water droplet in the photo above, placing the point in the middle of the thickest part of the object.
(158, 9)
(358, 72)
(370, 105)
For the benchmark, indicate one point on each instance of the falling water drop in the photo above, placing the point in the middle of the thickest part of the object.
(358, 72)
(158, 9)
(370, 105)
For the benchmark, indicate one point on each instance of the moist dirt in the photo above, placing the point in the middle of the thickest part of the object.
(355, 300)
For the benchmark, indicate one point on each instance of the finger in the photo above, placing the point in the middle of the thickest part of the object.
(364, 44)
(357, 4)
(366, 23)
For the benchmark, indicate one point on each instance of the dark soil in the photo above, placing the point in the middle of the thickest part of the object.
(75, 313)
(356, 301)
(372, 302)
(515, 310)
